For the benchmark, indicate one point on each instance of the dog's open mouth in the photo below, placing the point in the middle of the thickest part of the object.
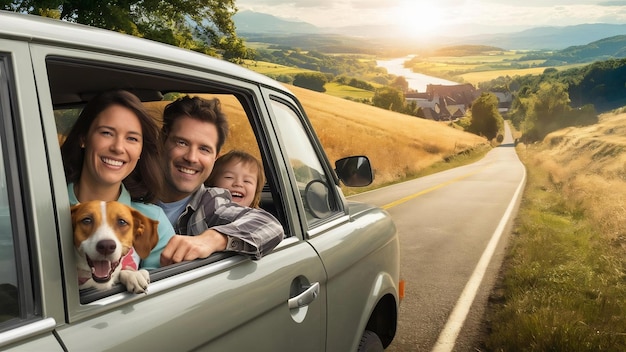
(101, 270)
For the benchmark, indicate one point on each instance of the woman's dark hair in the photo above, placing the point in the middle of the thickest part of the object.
(239, 156)
(145, 180)
(207, 110)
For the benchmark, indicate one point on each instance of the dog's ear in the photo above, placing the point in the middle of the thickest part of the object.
(73, 210)
(146, 234)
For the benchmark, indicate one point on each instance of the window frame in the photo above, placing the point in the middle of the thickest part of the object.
(248, 94)
(29, 291)
(338, 206)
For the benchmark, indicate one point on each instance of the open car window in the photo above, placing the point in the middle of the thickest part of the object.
(73, 82)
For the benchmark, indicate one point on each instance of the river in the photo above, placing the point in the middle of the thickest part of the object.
(417, 81)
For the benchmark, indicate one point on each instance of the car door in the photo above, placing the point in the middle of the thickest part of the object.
(353, 243)
(27, 315)
(231, 304)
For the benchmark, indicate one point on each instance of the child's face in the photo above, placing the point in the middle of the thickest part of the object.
(240, 179)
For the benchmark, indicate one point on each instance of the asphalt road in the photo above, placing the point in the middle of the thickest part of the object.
(453, 228)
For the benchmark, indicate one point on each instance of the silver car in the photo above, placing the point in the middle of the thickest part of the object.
(331, 285)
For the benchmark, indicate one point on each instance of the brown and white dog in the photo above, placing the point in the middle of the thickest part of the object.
(105, 234)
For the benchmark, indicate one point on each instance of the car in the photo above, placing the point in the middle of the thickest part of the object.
(332, 284)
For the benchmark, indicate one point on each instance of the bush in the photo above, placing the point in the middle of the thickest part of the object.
(313, 81)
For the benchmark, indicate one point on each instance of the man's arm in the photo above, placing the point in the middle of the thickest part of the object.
(250, 231)
(181, 248)
(219, 224)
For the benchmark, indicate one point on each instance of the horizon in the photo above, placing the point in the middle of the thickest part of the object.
(446, 17)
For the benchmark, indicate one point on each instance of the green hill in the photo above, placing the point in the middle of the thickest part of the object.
(612, 47)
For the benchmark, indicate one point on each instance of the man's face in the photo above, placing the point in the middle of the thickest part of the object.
(190, 152)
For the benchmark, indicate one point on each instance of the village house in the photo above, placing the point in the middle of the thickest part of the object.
(443, 102)
(450, 102)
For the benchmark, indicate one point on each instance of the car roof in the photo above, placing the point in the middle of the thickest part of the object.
(39, 29)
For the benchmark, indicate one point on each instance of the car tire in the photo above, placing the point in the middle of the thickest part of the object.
(370, 342)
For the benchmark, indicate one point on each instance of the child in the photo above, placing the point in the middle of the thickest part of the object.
(241, 174)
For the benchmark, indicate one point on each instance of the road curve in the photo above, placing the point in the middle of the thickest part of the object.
(453, 227)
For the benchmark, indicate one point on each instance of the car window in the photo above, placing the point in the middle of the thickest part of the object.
(71, 83)
(314, 185)
(8, 266)
(11, 287)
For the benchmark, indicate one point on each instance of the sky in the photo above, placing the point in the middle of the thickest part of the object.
(443, 15)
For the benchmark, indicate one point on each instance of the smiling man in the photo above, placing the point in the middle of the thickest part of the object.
(206, 219)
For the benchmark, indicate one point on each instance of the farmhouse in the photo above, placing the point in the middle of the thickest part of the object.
(443, 102)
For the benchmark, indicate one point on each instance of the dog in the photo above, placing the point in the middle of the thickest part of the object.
(105, 236)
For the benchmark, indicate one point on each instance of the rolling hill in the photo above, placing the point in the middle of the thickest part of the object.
(398, 145)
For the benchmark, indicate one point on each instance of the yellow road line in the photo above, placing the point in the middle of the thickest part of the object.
(428, 190)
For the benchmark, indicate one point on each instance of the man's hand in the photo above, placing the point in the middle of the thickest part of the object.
(181, 248)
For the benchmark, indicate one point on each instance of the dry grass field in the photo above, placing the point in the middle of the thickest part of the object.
(398, 145)
(563, 286)
(588, 165)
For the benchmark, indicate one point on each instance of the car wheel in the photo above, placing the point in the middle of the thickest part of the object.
(370, 342)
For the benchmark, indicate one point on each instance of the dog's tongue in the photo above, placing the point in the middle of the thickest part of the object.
(101, 268)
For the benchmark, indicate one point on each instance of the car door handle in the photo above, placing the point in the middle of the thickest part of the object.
(306, 297)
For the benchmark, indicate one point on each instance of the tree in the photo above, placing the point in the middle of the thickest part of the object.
(201, 25)
(486, 119)
(388, 98)
(313, 81)
(401, 84)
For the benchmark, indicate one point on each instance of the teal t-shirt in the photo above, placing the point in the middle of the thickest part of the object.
(165, 229)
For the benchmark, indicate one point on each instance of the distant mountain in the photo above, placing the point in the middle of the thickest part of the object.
(261, 23)
(256, 25)
(612, 47)
(548, 38)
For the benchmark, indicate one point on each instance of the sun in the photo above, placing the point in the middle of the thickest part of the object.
(419, 18)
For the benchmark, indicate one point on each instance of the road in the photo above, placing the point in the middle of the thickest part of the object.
(453, 228)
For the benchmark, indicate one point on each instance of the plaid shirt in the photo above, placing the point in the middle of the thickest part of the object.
(250, 231)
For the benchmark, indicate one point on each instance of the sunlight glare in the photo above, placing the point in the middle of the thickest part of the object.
(419, 18)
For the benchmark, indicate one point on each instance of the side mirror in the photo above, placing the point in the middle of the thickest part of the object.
(354, 171)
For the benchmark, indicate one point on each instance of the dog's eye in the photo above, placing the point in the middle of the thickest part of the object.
(122, 222)
(86, 221)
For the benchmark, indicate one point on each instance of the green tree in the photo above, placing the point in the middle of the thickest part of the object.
(201, 25)
(388, 98)
(401, 84)
(486, 119)
(313, 81)
(547, 110)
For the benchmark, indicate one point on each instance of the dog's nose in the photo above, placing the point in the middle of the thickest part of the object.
(105, 247)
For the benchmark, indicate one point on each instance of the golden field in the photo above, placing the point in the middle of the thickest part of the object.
(588, 165)
(398, 145)
(562, 284)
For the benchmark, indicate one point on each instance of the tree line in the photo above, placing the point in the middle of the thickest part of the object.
(201, 25)
(557, 99)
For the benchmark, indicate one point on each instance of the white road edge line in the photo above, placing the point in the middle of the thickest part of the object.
(447, 337)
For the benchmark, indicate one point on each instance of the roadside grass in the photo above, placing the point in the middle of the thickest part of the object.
(563, 282)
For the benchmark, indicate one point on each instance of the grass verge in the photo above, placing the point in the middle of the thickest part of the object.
(563, 282)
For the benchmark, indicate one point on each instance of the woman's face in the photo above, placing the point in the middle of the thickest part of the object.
(240, 179)
(112, 146)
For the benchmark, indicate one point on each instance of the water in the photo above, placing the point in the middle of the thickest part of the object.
(417, 81)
